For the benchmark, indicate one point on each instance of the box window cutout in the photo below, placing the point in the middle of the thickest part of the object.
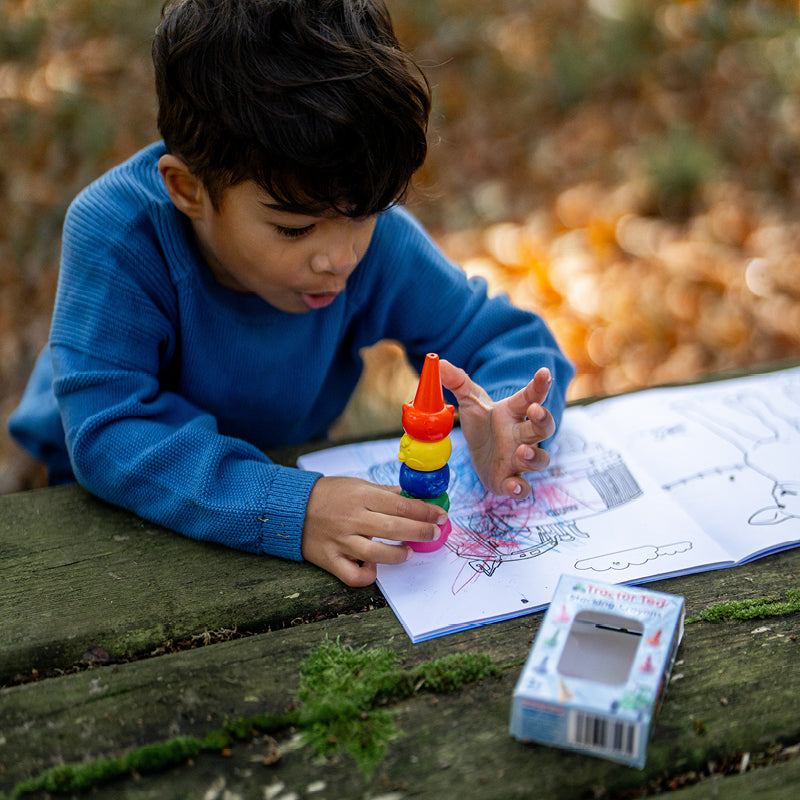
(601, 647)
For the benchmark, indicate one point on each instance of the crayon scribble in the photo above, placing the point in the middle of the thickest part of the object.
(489, 530)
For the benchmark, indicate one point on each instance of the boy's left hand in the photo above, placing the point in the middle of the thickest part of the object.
(503, 436)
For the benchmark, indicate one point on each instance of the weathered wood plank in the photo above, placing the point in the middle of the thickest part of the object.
(780, 781)
(734, 690)
(78, 572)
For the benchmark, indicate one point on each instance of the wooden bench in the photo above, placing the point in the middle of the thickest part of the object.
(146, 644)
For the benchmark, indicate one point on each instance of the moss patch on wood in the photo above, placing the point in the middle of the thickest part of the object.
(343, 697)
(758, 608)
(342, 691)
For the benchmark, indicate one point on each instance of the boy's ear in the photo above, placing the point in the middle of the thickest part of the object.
(185, 189)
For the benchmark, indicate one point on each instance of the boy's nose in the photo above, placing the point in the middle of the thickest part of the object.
(338, 257)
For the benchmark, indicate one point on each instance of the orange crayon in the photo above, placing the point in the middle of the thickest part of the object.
(428, 418)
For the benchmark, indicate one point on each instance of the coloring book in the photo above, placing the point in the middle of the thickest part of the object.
(648, 485)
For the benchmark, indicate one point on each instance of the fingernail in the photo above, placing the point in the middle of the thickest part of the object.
(517, 489)
(539, 414)
(528, 454)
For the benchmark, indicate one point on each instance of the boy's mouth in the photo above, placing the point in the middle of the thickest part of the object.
(321, 300)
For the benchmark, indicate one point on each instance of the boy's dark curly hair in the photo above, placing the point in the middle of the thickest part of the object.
(314, 100)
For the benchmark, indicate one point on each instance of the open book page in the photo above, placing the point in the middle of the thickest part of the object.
(593, 511)
(728, 452)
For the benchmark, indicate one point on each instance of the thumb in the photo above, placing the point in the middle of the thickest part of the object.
(461, 385)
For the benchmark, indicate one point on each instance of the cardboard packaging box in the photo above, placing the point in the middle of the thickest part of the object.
(595, 675)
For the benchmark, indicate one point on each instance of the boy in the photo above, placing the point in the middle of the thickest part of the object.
(215, 291)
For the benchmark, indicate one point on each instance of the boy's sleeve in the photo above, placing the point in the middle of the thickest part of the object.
(133, 443)
(154, 453)
(500, 345)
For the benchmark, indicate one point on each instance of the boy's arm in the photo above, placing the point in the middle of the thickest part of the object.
(429, 304)
(138, 444)
(156, 454)
(132, 441)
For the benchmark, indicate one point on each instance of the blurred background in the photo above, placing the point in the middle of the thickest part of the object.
(628, 168)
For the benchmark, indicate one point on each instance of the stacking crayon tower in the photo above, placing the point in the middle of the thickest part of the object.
(425, 447)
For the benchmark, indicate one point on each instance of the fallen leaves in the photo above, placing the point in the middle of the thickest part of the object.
(629, 170)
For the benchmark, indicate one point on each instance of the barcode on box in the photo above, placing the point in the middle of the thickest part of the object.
(608, 734)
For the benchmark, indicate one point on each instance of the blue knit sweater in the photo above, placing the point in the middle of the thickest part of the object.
(159, 388)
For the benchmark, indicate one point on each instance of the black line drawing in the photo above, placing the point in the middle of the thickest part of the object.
(623, 559)
(766, 432)
(583, 480)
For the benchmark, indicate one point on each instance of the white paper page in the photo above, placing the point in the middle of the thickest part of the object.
(590, 512)
(728, 452)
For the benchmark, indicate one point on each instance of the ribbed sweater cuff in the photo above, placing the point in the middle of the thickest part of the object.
(285, 512)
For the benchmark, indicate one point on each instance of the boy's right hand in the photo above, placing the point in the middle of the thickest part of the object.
(344, 516)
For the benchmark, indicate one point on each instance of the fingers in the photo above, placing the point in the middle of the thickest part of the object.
(466, 391)
(533, 395)
(516, 487)
(356, 562)
(354, 573)
(352, 525)
(542, 380)
(453, 378)
(537, 426)
(404, 519)
(532, 459)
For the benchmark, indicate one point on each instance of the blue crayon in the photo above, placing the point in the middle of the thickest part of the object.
(424, 485)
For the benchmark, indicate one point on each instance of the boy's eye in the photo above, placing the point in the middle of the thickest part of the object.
(293, 233)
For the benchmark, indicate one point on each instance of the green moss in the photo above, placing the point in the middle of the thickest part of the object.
(76, 777)
(343, 695)
(452, 672)
(341, 687)
(758, 608)
(246, 727)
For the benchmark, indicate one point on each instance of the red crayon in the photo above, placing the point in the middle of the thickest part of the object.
(428, 418)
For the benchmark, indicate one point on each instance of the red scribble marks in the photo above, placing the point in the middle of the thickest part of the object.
(465, 576)
(467, 544)
(549, 499)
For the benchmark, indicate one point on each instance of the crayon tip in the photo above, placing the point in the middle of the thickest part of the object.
(428, 418)
(429, 397)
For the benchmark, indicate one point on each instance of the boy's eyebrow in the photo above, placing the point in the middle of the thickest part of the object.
(321, 213)
(276, 206)
(281, 209)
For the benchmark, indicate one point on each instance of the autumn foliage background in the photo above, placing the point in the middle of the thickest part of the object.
(628, 168)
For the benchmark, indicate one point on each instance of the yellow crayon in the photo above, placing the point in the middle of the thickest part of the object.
(424, 456)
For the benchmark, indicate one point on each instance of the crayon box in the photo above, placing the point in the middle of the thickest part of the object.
(594, 678)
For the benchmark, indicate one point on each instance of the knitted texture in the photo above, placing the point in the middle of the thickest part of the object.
(160, 389)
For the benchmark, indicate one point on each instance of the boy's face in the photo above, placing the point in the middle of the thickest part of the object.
(297, 263)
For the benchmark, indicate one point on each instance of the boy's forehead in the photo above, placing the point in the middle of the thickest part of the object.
(302, 207)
